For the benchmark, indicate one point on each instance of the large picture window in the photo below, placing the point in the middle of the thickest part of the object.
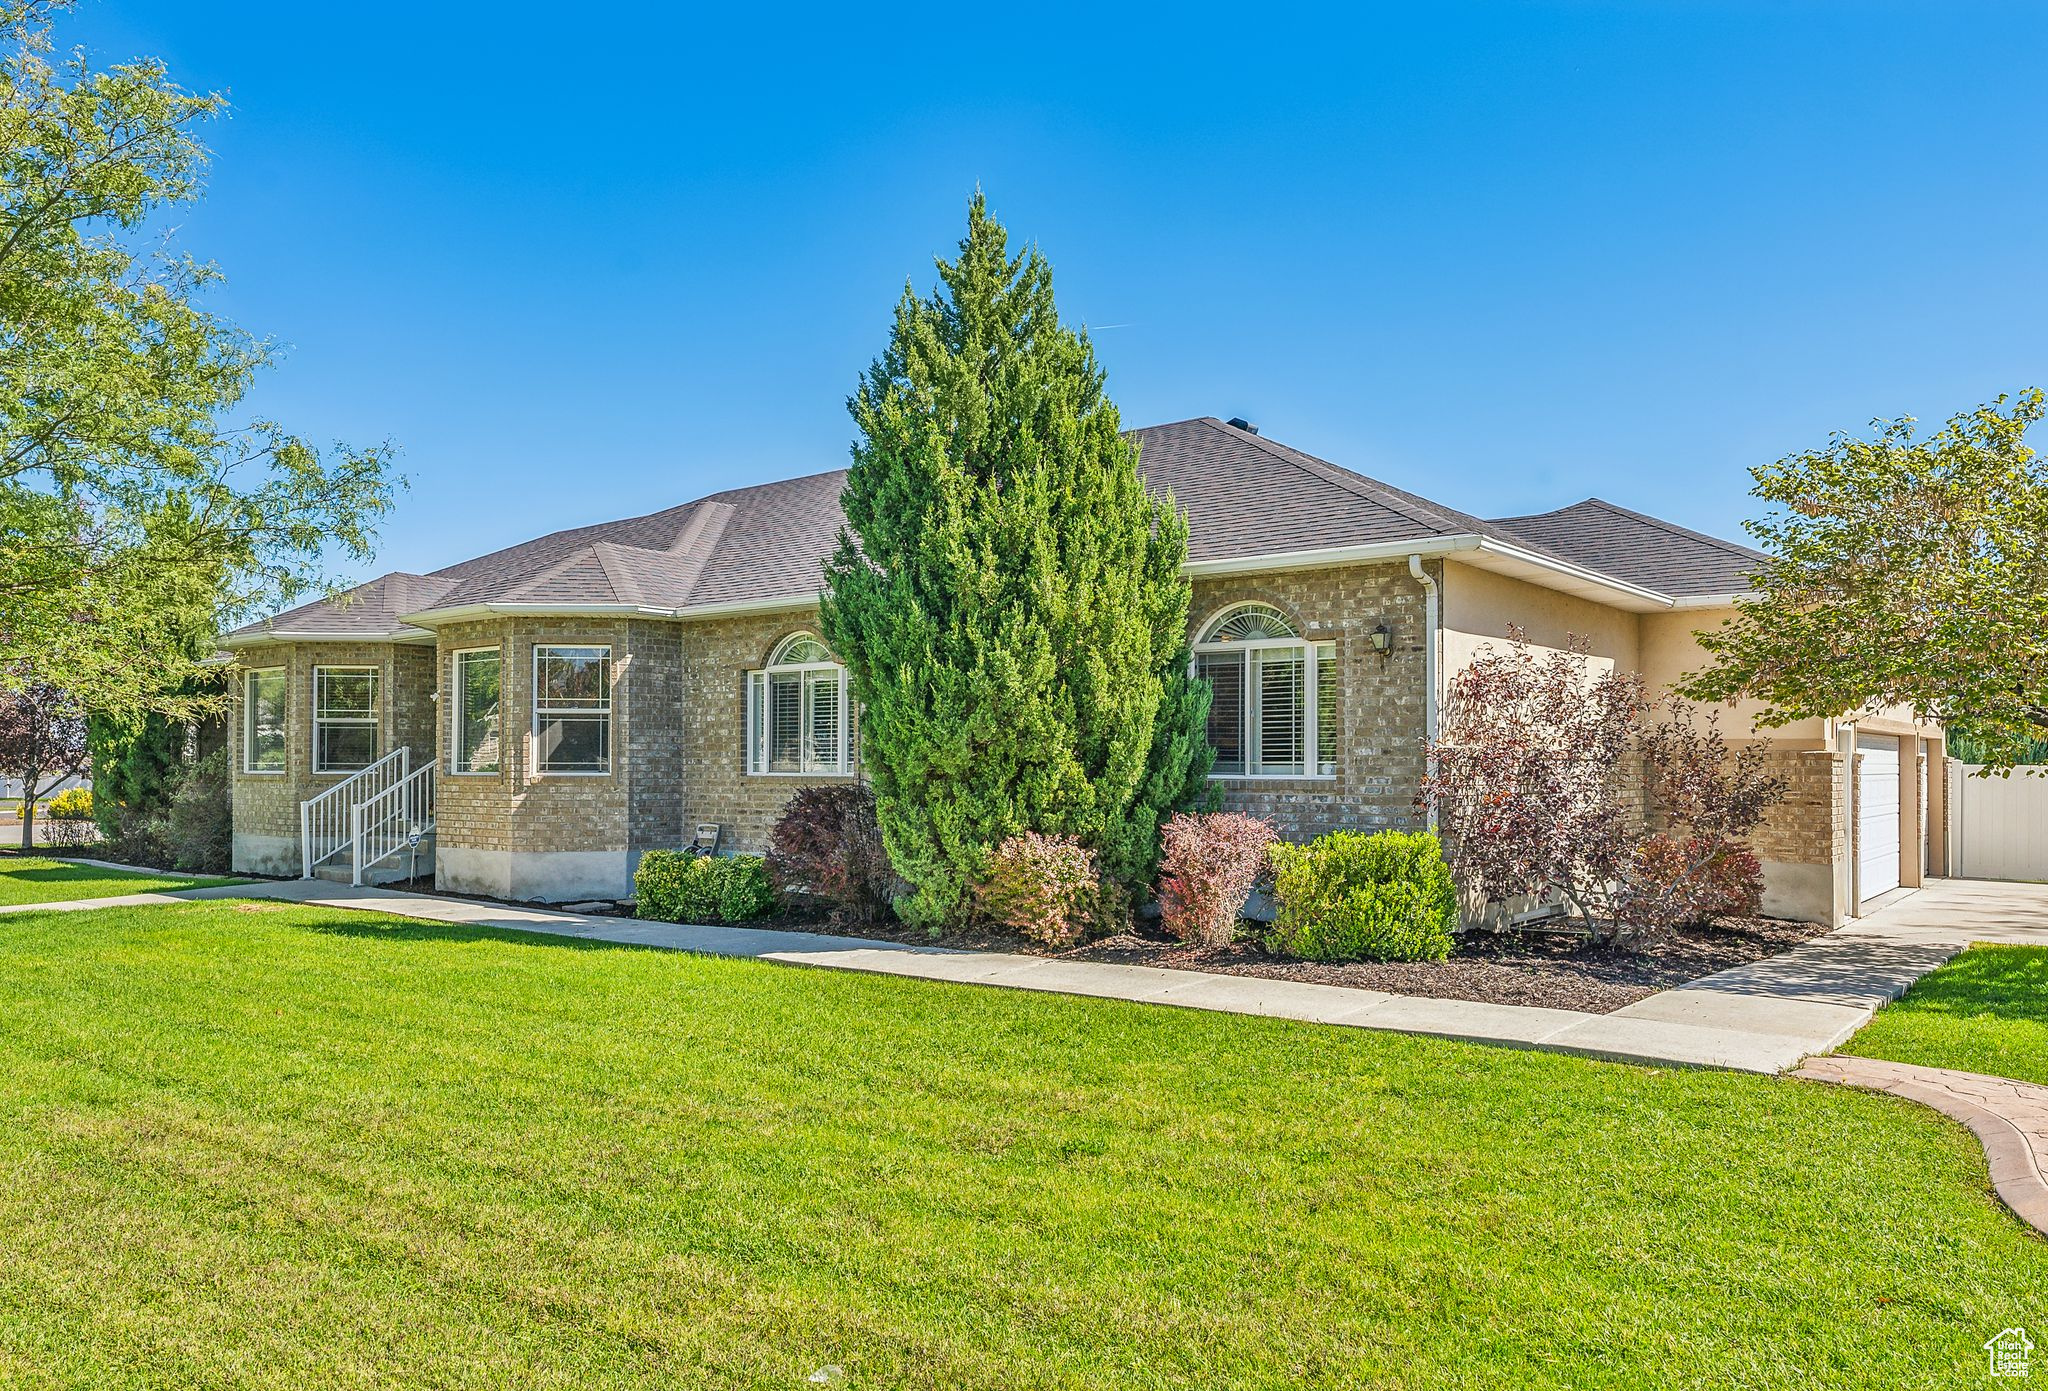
(263, 698)
(797, 711)
(344, 718)
(478, 713)
(1263, 722)
(572, 709)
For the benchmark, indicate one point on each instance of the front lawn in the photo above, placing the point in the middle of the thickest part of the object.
(253, 1144)
(1986, 1011)
(36, 879)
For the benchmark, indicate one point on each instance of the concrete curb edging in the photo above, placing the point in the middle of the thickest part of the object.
(2009, 1118)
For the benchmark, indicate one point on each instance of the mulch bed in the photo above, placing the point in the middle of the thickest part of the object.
(1548, 969)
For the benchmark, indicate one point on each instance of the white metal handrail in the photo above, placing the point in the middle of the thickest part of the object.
(392, 820)
(326, 822)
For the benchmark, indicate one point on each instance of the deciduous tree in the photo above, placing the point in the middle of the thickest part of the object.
(1902, 570)
(136, 505)
(42, 742)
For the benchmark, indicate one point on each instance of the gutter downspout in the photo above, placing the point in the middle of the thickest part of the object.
(1429, 636)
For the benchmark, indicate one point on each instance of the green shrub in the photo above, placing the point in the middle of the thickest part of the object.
(744, 890)
(1352, 897)
(671, 886)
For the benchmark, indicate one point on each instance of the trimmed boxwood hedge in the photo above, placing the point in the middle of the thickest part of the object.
(1352, 897)
(671, 886)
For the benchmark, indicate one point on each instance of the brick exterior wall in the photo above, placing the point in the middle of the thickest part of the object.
(267, 804)
(678, 730)
(716, 657)
(1811, 826)
(1380, 700)
(518, 808)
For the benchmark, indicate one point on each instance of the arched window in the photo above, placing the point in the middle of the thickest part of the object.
(1262, 723)
(797, 711)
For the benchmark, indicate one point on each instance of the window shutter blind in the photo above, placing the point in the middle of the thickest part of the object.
(1224, 671)
(785, 722)
(821, 751)
(1282, 717)
(1326, 708)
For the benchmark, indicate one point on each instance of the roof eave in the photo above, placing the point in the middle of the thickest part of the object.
(234, 642)
(1562, 575)
(427, 618)
(1329, 555)
(1712, 601)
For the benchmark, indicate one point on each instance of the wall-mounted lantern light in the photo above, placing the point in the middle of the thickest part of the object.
(1382, 639)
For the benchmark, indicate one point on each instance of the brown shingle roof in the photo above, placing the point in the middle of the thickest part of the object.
(1643, 550)
(1244, 495)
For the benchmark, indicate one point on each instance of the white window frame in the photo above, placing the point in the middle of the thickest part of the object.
(533, 726)
(249, 680)
(1313, 656)
(374, 722)
(456, 711)
(841, 764)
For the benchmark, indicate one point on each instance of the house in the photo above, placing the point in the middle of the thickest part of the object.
(538, 717)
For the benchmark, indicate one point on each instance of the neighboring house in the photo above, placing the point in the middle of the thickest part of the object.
(603, 691)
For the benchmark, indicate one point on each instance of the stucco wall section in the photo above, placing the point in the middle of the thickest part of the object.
(1479, 605)
(1380, 699)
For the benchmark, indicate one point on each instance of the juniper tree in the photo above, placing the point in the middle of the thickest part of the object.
(1006, 595)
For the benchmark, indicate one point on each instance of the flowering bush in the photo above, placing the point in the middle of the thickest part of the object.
(1347, 897)
(827, 845)
(1207, 866)
(1044, 887)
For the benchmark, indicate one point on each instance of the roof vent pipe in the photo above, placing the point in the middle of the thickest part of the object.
(1239, 422)
(1429, 625)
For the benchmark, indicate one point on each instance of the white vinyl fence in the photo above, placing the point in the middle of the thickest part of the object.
(1998, 827)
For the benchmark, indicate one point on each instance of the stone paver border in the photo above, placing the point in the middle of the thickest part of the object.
(2009, 1118)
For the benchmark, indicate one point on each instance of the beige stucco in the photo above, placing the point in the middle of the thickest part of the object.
(1479, 606)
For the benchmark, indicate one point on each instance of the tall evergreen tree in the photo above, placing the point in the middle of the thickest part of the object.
(1007, 597)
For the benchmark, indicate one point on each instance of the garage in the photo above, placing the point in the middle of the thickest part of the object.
(1877, 814)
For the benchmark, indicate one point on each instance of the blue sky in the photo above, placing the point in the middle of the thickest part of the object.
(583, 264)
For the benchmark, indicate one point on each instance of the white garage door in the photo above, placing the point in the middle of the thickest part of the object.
(1877, 813)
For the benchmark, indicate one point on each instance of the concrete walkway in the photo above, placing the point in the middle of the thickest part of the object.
(1765, 1017)
(2009, 1118)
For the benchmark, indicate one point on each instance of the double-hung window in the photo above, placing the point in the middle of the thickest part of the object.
(479, 716)
(263, 698)
(1274, 711)
(344, 718)
(797, 711)
(572, 708)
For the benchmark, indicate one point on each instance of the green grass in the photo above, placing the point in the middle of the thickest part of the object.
(1986, 1011)
(35, 879)
(252, 1144)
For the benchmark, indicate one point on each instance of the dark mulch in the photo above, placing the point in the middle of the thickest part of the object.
(1550, 969)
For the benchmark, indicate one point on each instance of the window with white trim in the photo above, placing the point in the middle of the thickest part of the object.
(797, 711)
(263, 699)
(478, 710)
(1262, 721)
(572, 708)
(344, 718)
